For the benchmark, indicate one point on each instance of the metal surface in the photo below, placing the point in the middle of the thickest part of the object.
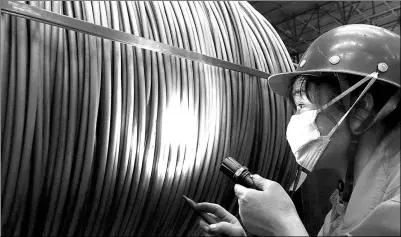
(37, 14)
(120, 133)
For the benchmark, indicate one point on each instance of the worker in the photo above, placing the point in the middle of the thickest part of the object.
(345, 92)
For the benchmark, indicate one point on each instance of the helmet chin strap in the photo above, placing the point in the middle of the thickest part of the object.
(346, 190)
(391, 104)
(349, 177)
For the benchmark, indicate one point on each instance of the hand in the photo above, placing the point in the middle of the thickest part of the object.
(227, 223)
(268, 212)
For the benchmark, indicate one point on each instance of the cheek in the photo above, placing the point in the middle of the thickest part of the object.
(336, 152)
(340, 141)
(325, 121)
(324, 124)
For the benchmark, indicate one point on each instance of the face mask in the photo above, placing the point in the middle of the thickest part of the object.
(303, 135)
(305, 140)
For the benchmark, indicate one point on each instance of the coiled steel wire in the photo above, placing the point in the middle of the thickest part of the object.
(102, 138)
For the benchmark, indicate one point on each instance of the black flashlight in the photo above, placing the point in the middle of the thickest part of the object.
(238, 173)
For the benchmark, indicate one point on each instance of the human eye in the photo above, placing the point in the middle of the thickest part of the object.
(300, 106)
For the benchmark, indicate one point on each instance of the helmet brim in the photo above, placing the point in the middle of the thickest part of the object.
(280, 83)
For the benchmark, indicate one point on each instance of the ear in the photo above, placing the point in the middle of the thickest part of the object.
(362, 113)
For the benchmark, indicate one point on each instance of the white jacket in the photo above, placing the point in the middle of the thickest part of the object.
(374, 207)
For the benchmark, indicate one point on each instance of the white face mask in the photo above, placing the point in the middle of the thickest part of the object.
(305, 140)
(304, 137)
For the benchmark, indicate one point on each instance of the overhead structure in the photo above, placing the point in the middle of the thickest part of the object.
(300, 24)
(112, 110)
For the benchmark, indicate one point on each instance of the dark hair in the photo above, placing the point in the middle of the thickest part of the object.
(381, 92)
(311, 85)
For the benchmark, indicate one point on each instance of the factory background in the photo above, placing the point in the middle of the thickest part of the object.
(112, 110)
(300, 22)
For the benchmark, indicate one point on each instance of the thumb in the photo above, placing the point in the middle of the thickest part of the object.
(224, 228)
(261, 183)
(240, 191)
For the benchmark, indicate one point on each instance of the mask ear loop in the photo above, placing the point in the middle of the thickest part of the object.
(372, 77)
(345, 93)
(349, 90)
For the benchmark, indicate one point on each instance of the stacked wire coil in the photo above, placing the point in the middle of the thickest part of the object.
(102, 138)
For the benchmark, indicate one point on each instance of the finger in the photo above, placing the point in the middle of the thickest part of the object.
(204, 228)
(261, 183)
(203, 225)
(215, 209)
(240, 191)
(214, 216)
(225, 228)
(209, 234)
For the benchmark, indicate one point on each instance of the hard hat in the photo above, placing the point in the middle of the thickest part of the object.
(356, 49)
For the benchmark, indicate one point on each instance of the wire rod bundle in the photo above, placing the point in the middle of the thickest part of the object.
(101, 138)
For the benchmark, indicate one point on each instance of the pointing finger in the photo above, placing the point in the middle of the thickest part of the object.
(215, 209)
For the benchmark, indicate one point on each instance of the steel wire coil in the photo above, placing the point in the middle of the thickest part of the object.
(102, 138)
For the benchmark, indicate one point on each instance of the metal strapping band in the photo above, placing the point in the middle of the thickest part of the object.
(38, 14)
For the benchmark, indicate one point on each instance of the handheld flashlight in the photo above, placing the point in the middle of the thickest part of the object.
(238, 173)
